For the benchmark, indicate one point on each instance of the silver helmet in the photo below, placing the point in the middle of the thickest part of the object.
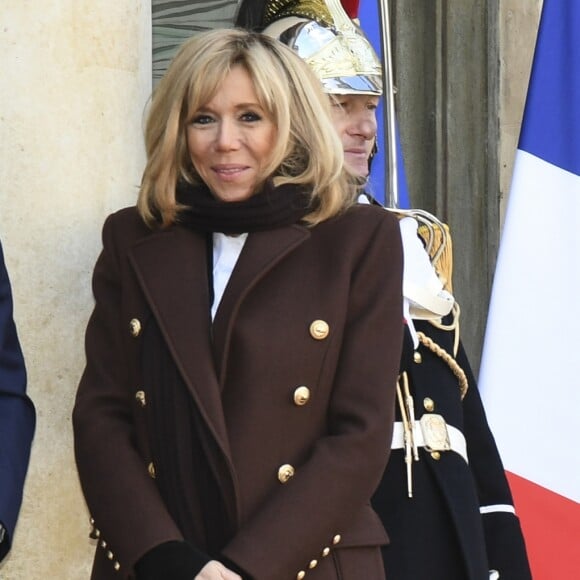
(332, 45)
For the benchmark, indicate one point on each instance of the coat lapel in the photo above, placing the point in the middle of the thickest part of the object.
(261, 252)
(171, 267)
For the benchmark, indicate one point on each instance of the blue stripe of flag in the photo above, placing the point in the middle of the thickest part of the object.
(370, 22)
(551, 125)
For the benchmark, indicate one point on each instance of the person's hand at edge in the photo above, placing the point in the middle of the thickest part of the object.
(215, 570)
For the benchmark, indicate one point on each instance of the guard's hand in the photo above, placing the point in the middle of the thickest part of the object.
(215, 570)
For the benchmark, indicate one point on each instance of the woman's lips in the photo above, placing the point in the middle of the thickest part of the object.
(229, 171)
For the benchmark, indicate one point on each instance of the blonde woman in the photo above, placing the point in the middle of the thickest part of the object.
(224, 425)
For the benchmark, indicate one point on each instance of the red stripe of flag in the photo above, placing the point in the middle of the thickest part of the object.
(551, 525)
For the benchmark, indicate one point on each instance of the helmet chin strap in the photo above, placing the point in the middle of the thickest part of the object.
(374, 151)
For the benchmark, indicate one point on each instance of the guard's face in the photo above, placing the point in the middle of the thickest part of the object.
(230, 139)
(355, 119)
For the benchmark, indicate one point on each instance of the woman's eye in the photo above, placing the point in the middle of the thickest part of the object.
(339, 104)
(250, 117)
(201, 119)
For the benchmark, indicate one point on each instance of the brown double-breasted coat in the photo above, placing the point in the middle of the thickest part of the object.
(243, 372)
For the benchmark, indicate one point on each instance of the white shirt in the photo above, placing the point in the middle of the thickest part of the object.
(226, 251)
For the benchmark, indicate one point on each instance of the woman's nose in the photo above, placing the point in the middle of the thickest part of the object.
(228, 136)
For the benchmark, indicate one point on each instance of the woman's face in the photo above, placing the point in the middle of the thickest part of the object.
(230, 139)
(355, 119)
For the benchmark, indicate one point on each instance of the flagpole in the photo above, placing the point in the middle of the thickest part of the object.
(389, 125)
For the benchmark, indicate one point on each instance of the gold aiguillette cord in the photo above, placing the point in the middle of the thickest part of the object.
(407, 408)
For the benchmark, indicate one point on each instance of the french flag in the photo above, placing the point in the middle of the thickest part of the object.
(530, 371)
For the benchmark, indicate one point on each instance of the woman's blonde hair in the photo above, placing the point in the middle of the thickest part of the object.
(307, 150)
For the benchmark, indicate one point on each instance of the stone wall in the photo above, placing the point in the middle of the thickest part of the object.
(76, 75)
(517, 34)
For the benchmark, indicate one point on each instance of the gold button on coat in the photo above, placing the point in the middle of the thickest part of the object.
(336, 539)
(417, 357)
(117, 566)
(285, 472)
(140, 396)
(300, 575)
(313, 564)
(436, 455)
(151, 470)
(319, 329)
(428, 404)
(325, 552)
(135, 327)
(301, 396)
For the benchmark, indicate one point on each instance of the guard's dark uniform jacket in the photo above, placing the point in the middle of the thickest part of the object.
(460, 522)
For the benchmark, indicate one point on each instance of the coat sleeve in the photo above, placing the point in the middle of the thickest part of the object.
(122, 499)
(504, 540)
(336, 482)
(17, 416)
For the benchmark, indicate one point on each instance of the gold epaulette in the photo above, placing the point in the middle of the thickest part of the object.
(437, 239)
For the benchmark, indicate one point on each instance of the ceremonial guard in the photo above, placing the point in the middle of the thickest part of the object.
(444, 498)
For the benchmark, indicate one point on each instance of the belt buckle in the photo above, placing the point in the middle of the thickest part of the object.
(435, 434)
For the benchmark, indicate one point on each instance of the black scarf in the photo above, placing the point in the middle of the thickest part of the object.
(270, 208)
(180, 445)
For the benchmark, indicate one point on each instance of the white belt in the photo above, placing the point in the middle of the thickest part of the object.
(455, 441)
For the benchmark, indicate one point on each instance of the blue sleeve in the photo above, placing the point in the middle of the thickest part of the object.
(17, 415)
